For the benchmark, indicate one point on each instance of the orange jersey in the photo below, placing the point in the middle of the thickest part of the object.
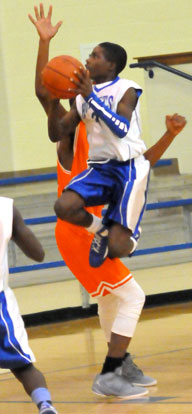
(74, 242)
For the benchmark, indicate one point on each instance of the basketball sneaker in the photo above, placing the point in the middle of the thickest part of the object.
(133, 374)
(99, 247)
(112, 384)
(135, 238)
(47, 408)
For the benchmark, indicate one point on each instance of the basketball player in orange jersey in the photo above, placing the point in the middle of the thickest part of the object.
(120, 298)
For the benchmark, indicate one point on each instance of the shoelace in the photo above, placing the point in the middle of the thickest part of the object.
(97, 243)
(131, 365)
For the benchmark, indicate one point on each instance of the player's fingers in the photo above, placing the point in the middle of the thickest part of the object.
(183, 121)
(76, 82)
(41, 10)
(180, 119)
(76, 91)
(84, 72)
(58, 25)
(50, 12)
(32, 19)
(78, 75)
(36, 12)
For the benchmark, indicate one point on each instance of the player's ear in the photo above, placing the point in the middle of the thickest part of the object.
(112, 66)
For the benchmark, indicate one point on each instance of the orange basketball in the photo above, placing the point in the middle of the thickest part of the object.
(57, 73)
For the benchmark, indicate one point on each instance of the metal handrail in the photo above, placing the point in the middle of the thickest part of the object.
(151, 63)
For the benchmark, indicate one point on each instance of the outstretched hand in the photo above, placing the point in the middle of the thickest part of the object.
(175, 123)
(43, 23)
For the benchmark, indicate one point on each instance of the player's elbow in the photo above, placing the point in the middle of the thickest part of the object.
(39, 255)
(53, 131)
(40, 92)
(53, 136)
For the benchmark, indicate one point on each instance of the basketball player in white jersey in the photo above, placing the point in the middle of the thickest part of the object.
(15, 353)
(118, 172)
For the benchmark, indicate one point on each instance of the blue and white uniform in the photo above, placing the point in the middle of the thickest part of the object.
(14, 348)
(118, 172)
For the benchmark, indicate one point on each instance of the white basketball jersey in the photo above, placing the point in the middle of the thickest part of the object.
(6, 222)
(103, 143)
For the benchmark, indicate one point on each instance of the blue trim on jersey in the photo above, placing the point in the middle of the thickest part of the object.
(138, 92)
(11, 353)
(97, 89)
(117, 124)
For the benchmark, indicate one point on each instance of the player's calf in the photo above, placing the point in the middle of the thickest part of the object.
(121, 241)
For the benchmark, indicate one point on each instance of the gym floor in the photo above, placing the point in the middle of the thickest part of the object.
(71, 353)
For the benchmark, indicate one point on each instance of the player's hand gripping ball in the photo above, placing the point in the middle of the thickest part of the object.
(57, 73)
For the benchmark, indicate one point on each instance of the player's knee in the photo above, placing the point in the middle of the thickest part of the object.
(139, 297)
(59, 209)
(130, 307)
(21, 372)
(132, 297)
(64, 208)
(68, 205)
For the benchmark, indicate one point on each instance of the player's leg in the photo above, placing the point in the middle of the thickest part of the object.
(121, 242)
(126, 308)
(70, 207)
(125, 211)
(84, 190)
(16, 354)
(131, 300)
(128, 212)
(35, 386)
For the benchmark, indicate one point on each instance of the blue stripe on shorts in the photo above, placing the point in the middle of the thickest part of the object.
(11, 353)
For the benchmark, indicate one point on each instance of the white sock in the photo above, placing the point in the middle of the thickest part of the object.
(95, 225)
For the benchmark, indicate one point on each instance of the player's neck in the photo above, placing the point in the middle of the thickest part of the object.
(103, 79)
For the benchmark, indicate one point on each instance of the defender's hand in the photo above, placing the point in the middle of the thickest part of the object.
(175, 123)
(43, 23)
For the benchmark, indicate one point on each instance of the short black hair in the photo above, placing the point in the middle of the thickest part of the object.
(115, 53)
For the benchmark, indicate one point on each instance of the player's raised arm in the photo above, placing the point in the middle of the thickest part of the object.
(46, 32)
(25, 238)
(174, 123)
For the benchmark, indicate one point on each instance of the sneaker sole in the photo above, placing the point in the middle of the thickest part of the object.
(124, 397)
(149, 384)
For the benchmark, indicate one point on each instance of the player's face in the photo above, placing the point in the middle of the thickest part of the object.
(100, 69)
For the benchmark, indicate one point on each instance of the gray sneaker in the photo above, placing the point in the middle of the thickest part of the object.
(112, 384)
(135, 375)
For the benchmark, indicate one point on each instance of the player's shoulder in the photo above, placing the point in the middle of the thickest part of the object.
(5, 201)
(6, 216)
(6, 208)
(129, 83)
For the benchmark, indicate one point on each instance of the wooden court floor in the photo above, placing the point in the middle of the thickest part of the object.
(70, 354)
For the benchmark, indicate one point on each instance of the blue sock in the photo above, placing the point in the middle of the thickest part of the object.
(40, 395)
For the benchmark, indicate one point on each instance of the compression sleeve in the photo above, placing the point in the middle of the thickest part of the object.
(117, 124)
